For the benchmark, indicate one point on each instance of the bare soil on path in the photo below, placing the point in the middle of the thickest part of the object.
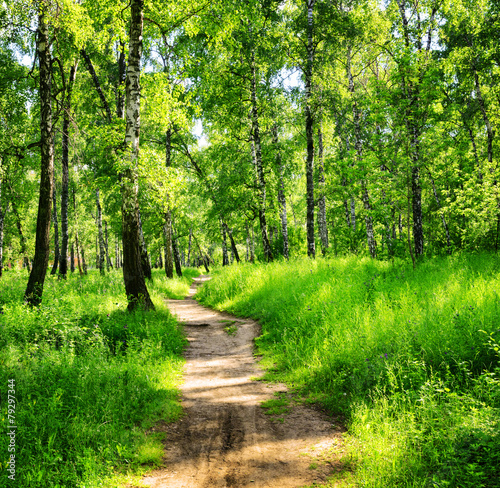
(225, 438)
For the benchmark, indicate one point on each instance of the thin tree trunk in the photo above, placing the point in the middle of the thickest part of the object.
(322, 227)
(80, 270)
(109, 264)
(281, 195)
(84, 264)
(247, 243)
(34, 289)
(97, 85)
(234, 250)
(63, 260)
(311, 246)
(117, 253)
(56, 228)
(169, 256)
(100, 235)
(160, 257)
(175, 249)
(252, 248)
(225, 259)
(72, 257)
(133, 275)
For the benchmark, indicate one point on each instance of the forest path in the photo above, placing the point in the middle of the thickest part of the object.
(225, 439)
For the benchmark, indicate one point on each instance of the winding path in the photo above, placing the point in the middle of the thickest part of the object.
(225, 439)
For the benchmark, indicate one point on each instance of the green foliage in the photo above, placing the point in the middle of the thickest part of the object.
(91, 378)
(411, 357)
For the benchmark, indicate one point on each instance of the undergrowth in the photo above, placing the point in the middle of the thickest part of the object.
(90, 379)
(410, 357)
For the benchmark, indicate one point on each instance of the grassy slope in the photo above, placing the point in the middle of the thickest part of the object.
(408, 355)
(90, 378)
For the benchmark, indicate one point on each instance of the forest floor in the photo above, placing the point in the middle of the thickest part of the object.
(226, 438)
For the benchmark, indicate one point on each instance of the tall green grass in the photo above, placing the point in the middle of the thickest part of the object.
(90, 379)
(410, 357)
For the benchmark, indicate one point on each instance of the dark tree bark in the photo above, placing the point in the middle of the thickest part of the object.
(308, 74)
(225, 259)
(100, 235)
(175, 249)
(145, 261)
(56, 228)
(234, 250)
(169, 252)
(133, 275)
(322, 227)
(117, 253)
(34, 289)
(63, 260)
(109, 264)
(120, 92)
(72, 257)
(97, 85)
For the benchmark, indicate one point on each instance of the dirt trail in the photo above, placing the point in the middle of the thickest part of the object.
(225, 438)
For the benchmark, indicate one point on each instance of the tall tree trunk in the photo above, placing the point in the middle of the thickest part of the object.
(175, 249)
(308, 74)
(133, 275)
(34, 289)
(257, 157)
(72, 257)
(281, 195)
(234, 250)
(84, 264)
(97, 85)
(322, 227)
(117, 253)
(247, 243)
(63, 260)
(145, 261)
(109, 264)
(169, 254)
(225, 259)
(80, 270)
(120, 92)
(252, 248)
(56, 228)
(100, 235)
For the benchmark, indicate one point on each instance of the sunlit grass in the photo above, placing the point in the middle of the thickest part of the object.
(409, 357)
(91, 378)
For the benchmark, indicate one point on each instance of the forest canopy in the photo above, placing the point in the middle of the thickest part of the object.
(156, 133)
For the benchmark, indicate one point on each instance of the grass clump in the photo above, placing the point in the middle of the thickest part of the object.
(410, 357)
(90, 379)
